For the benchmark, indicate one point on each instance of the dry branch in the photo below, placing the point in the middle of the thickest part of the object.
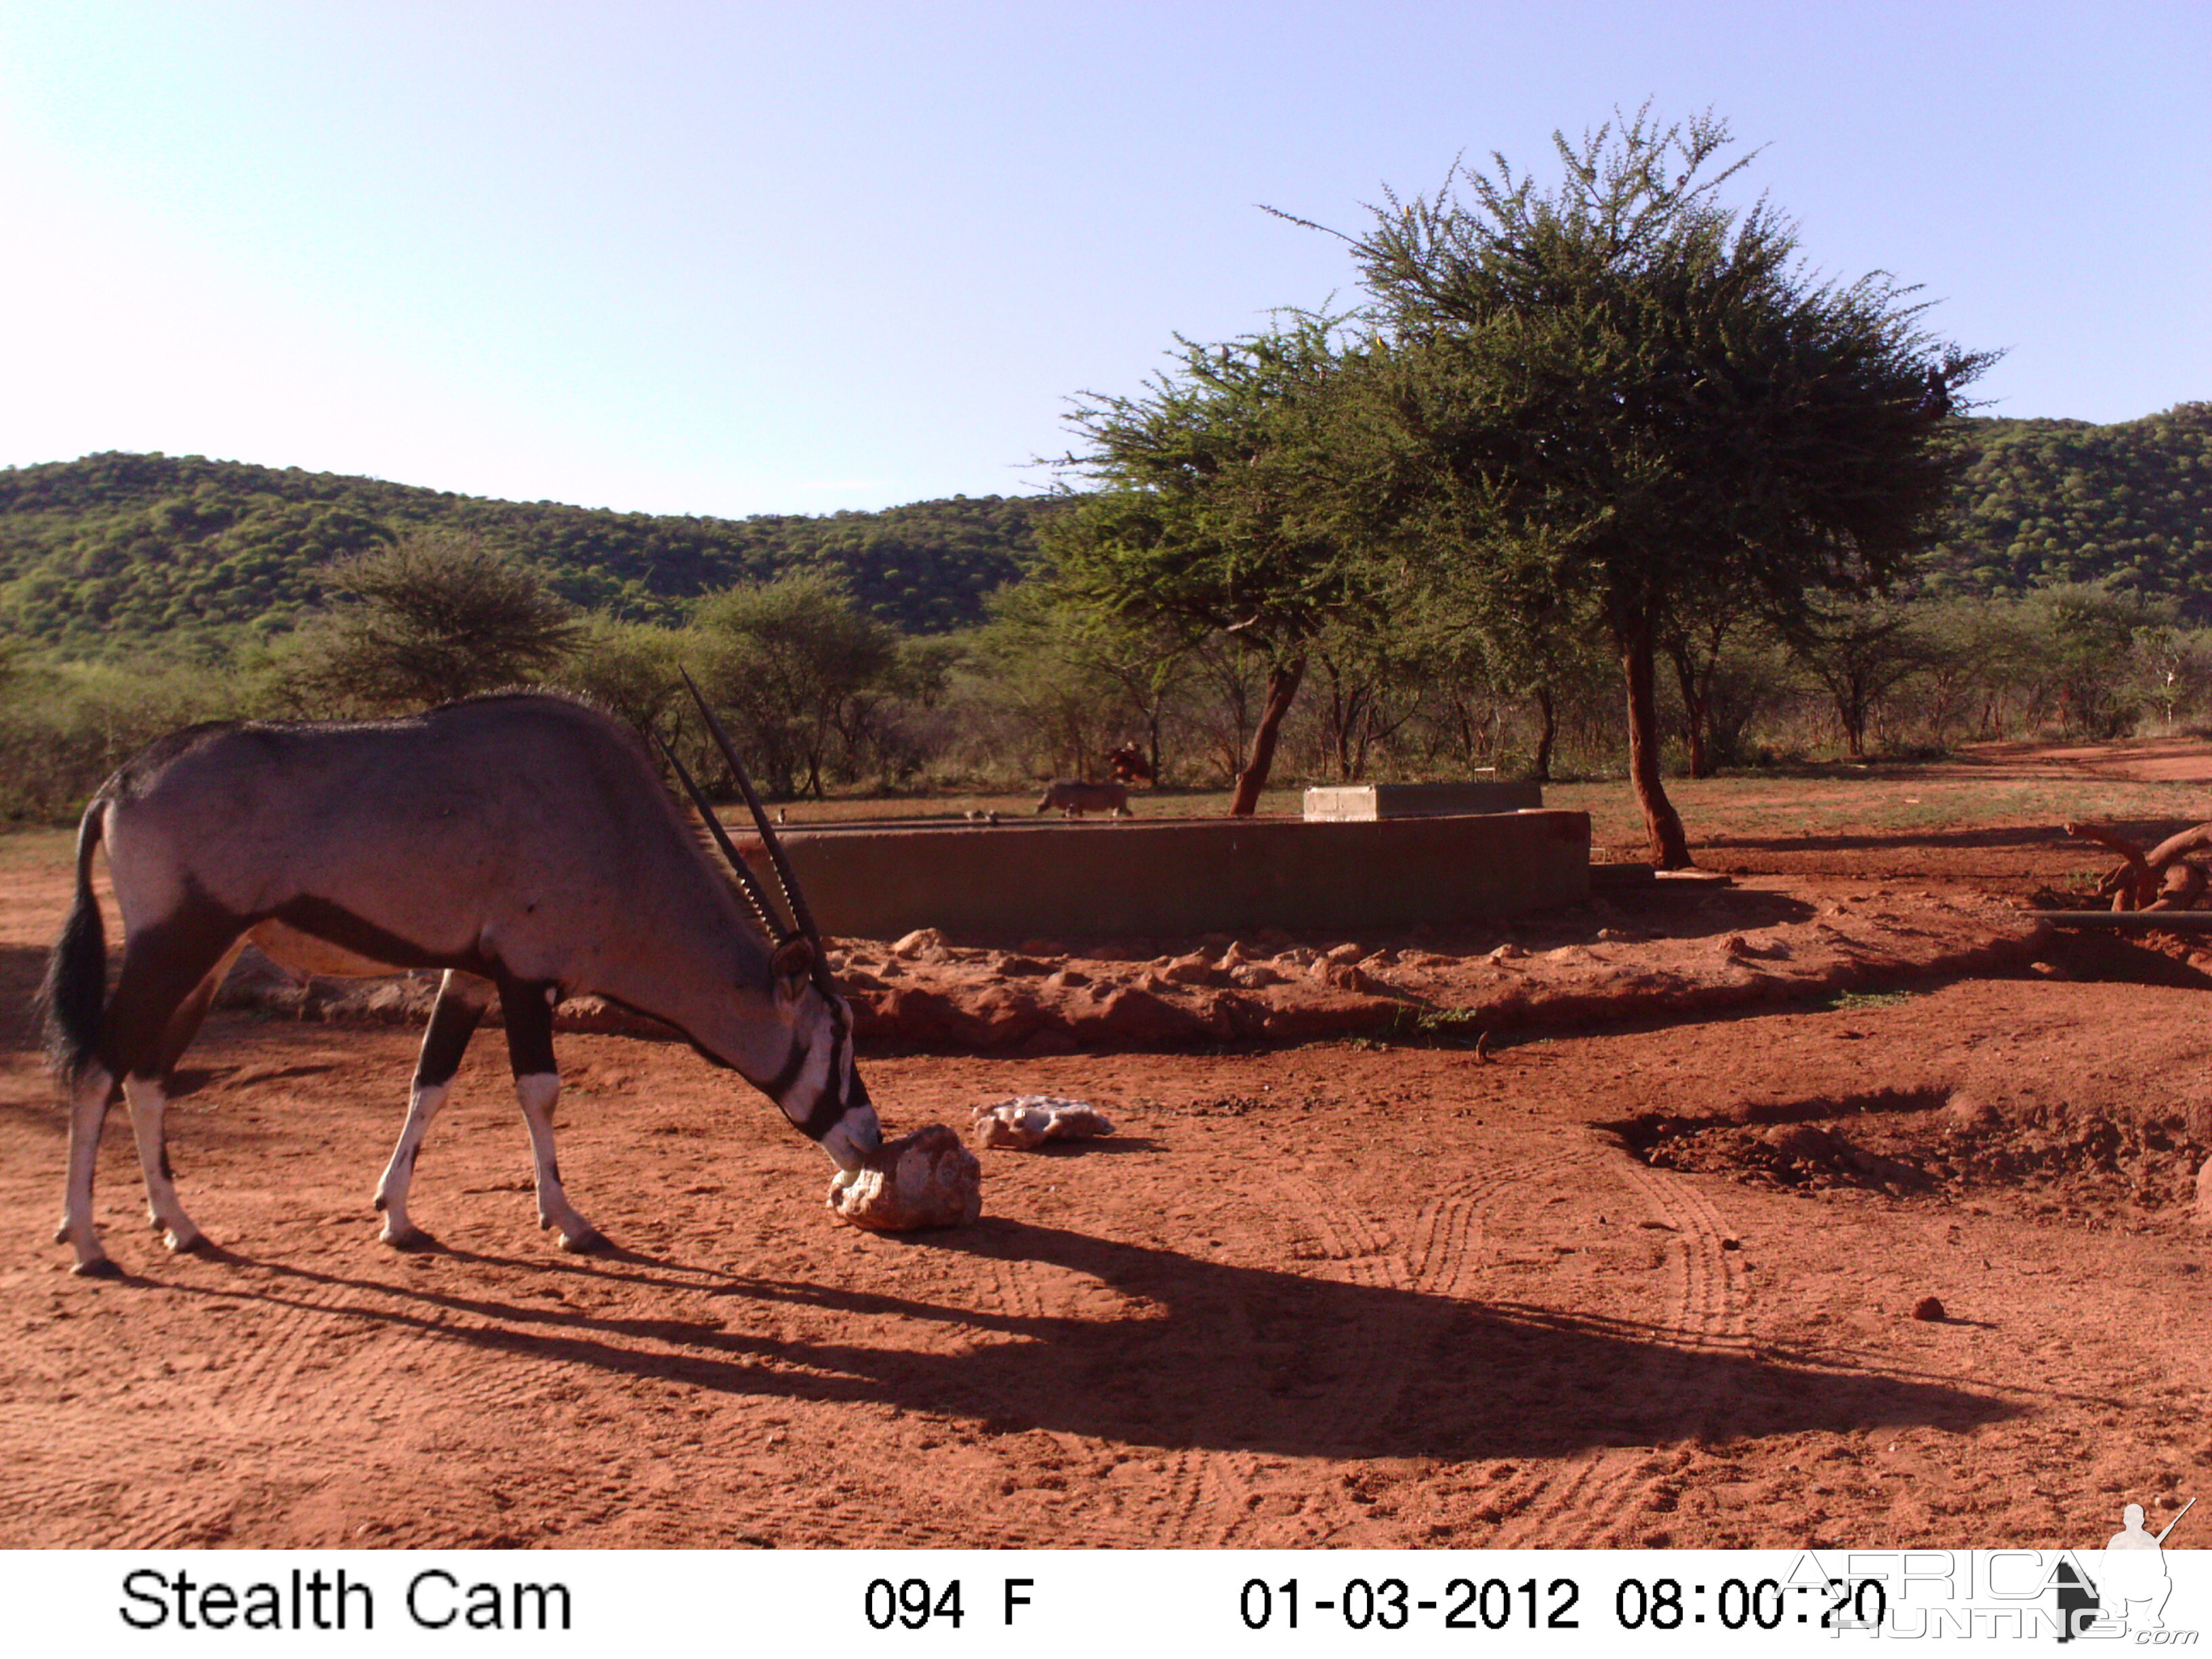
(2160, 880)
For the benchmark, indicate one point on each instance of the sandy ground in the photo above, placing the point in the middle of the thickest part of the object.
(1641, 1283)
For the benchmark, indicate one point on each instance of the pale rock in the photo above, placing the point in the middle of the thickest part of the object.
(927, 1179)
(1193, 969)
(1027, 1121)
(923, 945)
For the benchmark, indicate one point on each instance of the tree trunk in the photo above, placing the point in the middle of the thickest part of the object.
(1282, 686)
(1548, 733)
(1697, 707)
(1851, 715)
(1670, 847)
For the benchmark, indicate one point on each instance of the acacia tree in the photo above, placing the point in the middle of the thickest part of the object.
(1505, 616)
(1629, 392)
(1861, 651)
(1072, 675)
(790, 657)
(437, 616)
(1218, 509)
(1697, 642)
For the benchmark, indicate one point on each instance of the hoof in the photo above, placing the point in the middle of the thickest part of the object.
(99, 1267)
(192, 1242)
(590, 1241)
(61, 1233)
(407, 1238)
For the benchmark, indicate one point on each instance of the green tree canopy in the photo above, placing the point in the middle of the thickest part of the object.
(437, 616)
(1218, 509)
(1622, 393)
(792, 658)
(2044, 503)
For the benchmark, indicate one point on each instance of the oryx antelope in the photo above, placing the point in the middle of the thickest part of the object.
(521, 843)
(1074, 799)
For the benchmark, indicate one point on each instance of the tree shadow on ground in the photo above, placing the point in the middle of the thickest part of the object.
(22, 968)
(2114, 960)
(2040, 837)
(1144, 1347)
(1693, 913)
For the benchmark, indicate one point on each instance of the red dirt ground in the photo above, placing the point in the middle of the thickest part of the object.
(1614, 1284)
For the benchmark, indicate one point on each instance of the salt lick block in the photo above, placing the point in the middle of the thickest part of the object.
(927, 1179)
(1027, 1121)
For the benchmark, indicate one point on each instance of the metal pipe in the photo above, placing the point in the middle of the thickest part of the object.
(2131, 921)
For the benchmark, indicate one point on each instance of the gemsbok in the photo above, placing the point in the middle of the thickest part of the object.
(523, 843)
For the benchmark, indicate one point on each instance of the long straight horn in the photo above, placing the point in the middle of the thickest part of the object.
(792, 896)
(755, 895)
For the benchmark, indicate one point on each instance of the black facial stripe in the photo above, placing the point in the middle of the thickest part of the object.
(831, 1106)
(823, 1118)
(793, 1063)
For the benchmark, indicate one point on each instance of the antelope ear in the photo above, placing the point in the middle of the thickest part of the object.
(792, 966)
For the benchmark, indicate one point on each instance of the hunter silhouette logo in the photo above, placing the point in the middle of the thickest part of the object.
(2126, 1583)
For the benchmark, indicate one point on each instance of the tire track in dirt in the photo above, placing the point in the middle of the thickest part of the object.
(1447, 1243)
(1028, 1290)
(1212, 1492)
(1437, 1262)
(1451, 1247)
(1363, 1250)
(140, 1494)
(311, 1330)
(160, 1476)
(1705, 1301)
(329, 1397)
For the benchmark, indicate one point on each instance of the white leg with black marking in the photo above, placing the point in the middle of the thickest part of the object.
(537, 1090)
(88, 1116)
(148, 1103)
(462, 999)
(423, 1104)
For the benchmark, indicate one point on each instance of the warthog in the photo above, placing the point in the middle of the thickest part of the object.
(1075, 799)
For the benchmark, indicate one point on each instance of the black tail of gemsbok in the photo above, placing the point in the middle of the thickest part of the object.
(76, 990)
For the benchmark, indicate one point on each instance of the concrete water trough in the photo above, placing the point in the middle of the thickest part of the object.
(1366, 802)
(1175, 877)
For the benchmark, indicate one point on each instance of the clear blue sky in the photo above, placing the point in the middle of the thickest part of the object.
(735, 258)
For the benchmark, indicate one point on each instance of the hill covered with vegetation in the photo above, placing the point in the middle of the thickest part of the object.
(115, 549)
(2049, 502)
